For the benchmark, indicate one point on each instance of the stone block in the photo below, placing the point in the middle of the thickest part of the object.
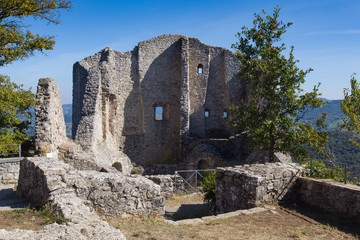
(244, 187)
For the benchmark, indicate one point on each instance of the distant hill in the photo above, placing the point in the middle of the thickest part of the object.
(67, 109)
(335, 115)
(338, 142)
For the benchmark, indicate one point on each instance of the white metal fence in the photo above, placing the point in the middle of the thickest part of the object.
(190, 180)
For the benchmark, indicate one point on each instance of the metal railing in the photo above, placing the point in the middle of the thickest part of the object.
(351, 172)
(10, 150)
(190, 180)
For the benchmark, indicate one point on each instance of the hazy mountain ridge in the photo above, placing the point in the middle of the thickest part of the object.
(338, 142)
(335, 115)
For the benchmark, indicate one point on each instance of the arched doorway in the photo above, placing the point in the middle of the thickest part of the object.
(203, 164)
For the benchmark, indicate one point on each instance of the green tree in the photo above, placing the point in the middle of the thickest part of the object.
(351, 108)
(15, 43)
(15, 103)
(275, 103)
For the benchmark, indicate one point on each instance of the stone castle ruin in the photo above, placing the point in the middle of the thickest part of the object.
(165, 102)
(162, 106)
(160, 103)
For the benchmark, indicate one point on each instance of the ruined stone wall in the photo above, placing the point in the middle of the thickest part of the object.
(215, 89)
(159, 64)
(115, 96)
(50, 127)
(247, 186)
(166, 183)
(329, 195)
(51, 140)
(9, 171)
(43, 179)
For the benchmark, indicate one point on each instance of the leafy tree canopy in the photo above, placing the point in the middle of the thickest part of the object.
(14, 103)
(15, 43)
(275, 102)
(351, 108)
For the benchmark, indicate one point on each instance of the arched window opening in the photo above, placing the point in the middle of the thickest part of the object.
(207, 113)
(159, 113)
(200, 69)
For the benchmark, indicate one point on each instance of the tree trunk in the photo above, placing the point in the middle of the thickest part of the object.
(272, 144)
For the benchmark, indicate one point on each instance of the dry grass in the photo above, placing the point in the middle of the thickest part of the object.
(266, 225)
(301, 222)
(28, 218)
(20, 218)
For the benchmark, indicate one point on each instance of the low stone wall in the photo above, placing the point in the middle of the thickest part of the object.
(247, 186)
(166, 183)
(9, 171)
(42, 180)
(329, 195)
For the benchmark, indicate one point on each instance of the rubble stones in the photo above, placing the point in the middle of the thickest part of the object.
(261, 156)
(166, 183)
(42, 180)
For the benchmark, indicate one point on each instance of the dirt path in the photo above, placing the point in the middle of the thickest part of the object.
(185, 207)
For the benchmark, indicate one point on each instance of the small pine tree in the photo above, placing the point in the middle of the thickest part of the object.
(208, 185)
(275, 103)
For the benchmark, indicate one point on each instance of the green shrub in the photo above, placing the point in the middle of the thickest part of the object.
(208, 185)
(46, 212)
(320, 170)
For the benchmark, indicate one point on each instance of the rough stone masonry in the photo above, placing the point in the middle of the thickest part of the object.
(157, 102)
(247, 186)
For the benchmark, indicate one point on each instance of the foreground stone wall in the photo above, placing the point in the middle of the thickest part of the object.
(247, 186)
(329, 195)
(9, 172)
(42, 180)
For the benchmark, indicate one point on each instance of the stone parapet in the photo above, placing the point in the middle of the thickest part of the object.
(247, 186)
(9, 172)
(166, 183)
(329, 195)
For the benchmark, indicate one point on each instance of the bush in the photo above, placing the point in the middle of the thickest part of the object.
(321, 171)
(208, 185)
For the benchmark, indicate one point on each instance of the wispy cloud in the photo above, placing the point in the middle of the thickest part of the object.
(342, 32)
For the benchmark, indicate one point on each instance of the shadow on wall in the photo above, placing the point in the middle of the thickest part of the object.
(148, 140)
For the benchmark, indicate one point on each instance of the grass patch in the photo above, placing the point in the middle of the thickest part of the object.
(29, 218)
(265, 225)
(49, 216)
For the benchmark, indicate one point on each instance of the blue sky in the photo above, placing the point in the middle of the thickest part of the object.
(325, 34)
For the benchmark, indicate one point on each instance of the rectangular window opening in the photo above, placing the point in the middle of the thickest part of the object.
(225, 115)
(159, 113)
(207, 113)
